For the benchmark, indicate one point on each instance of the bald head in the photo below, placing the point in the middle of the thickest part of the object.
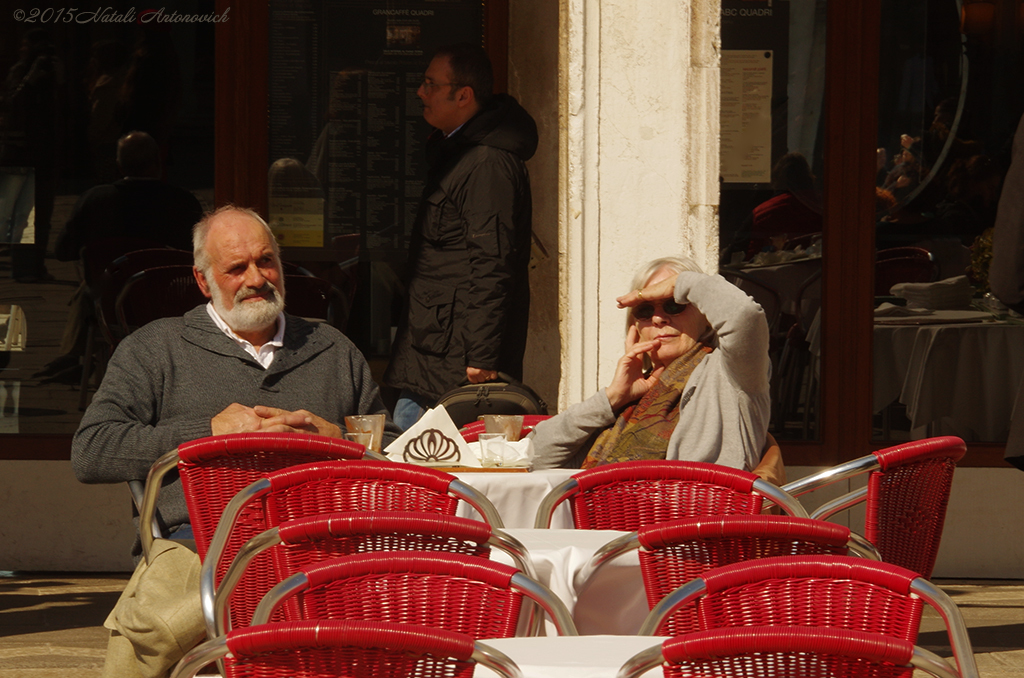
(138, 156)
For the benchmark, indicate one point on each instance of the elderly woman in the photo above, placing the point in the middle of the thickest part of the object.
(692, 385)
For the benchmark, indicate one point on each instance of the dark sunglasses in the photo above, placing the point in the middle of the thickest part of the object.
(668, 307)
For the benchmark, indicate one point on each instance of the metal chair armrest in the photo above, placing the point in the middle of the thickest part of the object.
(147, 512)
(207, 575)
(548, 601)
(477, 500)
(256, 545)
(495, 660)
(840, 504)
(138, 490)
(641, 663)
(669, 604)
(787, 502)
(831, 475)
(551, 500)
(610, 551)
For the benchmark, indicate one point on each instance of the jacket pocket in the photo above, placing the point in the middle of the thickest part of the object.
(431, 307)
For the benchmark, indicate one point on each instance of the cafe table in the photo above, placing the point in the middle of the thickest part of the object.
(517, 493)
(613, 602)
(571, 657)
(957, 372)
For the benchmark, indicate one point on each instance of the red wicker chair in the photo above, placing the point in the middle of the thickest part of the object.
(312, 489)
(786, 652)
(215, 468)
(631, 494)
(676, 551)
(444, 590)
(327, 649)
(304, 541)
(821, 592)
(906, 496)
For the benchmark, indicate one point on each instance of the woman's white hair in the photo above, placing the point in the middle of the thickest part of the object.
(646, 272)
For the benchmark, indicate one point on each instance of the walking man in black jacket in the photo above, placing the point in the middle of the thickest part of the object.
(469, 293)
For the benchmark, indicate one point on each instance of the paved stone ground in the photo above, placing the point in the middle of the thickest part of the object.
(51, 624)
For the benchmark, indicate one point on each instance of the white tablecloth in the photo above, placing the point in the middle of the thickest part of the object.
(613, 603)
(517, 495)
(579, 657)
(961, 379)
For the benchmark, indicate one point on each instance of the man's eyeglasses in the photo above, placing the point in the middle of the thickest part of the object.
(430, 86)
(668, 307)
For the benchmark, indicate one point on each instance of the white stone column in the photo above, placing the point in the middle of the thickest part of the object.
(638, 171)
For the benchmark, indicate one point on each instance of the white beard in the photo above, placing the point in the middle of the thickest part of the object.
(248, 316)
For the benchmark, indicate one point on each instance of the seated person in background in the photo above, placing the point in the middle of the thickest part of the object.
(795, 209)
(140, 205)
(704, 395)
(237, 364)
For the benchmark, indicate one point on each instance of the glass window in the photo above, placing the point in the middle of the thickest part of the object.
(947, 357)
(70, 90)
(771, 224)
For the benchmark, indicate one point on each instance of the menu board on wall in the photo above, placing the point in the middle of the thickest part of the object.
(746, 116)
(755, 64)
(344, 75)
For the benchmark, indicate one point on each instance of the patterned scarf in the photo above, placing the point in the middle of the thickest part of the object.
(643, 430)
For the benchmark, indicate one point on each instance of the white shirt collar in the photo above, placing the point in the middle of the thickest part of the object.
(265, 356)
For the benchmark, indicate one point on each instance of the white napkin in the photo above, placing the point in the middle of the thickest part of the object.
(433, 441)
(951, 293)
(517, 454)
(888, 310)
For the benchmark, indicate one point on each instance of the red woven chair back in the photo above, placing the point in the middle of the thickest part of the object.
(907, 500)
(630, 495)
(813, 591)
(674, 552)
(448, 591)
(310, 540)
(327, 649)
(214, 469)
(325, 487)
(792, 652)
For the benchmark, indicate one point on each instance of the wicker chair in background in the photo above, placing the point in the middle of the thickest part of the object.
(632, 494)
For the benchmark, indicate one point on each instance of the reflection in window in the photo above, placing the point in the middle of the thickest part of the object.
(773, 63)
(68, 93)
(947, 359)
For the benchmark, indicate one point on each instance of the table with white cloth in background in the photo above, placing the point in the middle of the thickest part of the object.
(958, 378)
(614, 602)
(571, 657)
(793, 280)
(517, 495)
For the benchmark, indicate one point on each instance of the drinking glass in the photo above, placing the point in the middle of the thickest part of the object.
(509, 425)
(367, 423)
(364, 438)
(492, 449)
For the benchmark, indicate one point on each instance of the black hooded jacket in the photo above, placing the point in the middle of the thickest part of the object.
(469, 293)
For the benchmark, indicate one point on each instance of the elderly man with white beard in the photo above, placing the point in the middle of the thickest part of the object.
(237, 364)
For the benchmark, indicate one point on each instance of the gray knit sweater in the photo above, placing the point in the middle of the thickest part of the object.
(167, 380)
(726, 404)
